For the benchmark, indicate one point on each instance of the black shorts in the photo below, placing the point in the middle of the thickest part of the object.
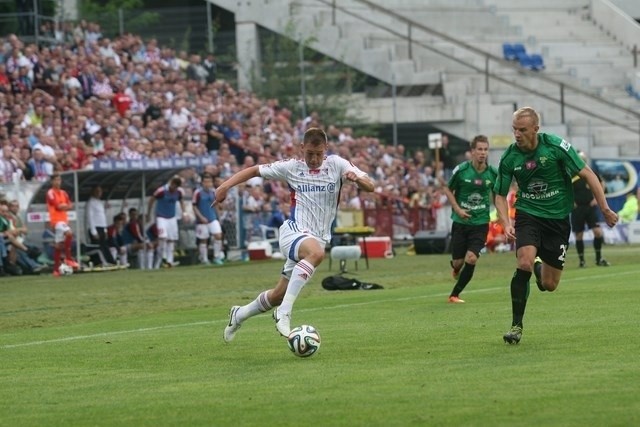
(583, 215)
(466, 237)
(549, 236)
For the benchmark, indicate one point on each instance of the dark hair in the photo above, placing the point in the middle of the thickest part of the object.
(314, 136)
(476, 139)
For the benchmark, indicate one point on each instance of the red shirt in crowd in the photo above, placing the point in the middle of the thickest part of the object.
(121, 103)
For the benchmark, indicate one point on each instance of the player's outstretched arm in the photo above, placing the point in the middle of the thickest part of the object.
(363, 182)
(237, 178)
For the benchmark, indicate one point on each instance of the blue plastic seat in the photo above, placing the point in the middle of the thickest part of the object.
(525, 61)
(507, 52)
(519, 49)
(537, 63)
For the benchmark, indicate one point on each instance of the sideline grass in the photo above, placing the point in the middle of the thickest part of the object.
(145, 348)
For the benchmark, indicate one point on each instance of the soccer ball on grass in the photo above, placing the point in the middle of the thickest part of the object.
(304, 341)
(65, 269)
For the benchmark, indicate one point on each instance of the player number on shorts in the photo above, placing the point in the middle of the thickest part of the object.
(563, 253)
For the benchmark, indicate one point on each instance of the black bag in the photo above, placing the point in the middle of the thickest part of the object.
(340, 283)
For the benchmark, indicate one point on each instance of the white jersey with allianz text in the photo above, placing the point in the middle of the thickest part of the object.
(315, 193)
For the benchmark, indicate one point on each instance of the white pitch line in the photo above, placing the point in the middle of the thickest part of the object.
(210, 322)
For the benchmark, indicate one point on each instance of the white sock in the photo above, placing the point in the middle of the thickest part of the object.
(114, 253)
(142, 259)
(169, 251)
(302, 273)
(162, 248)
(259, 305)
(159, 255)
(124, 258)
(203, 249)
(217, 249)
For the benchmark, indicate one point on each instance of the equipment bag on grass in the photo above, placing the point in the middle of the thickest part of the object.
(340, 283)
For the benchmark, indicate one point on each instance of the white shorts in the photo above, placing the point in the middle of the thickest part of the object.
(62, 228)
(290, 240)
(204, 231)
(167, 228)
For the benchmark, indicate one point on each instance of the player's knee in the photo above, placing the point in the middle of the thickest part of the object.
(550, 286)
(525, 265)
(471, 258)
(315, 257)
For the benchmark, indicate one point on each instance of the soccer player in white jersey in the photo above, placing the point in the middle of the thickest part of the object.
(315, 184)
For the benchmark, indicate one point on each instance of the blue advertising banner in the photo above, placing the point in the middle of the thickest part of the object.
(145, 164)
(620, 177)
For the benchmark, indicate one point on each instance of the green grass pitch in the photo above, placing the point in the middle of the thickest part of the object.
(136, 348)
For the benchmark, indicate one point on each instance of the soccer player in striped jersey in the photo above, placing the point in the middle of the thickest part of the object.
(315, 183)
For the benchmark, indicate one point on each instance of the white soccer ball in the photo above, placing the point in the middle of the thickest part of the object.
(65, 269)
(304, 341)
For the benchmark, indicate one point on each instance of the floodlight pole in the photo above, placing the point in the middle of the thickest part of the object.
(303, 88)
(395, 109)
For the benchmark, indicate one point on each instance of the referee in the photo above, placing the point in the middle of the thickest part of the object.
(584, 214)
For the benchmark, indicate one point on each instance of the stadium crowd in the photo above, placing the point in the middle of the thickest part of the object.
(89, 97)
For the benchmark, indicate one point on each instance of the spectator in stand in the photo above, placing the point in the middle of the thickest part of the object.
(102, 87)
(214, 129)
(165, 198)
(40, 168)
(58, 204)
(11, 166)
(87, 79)
(178, 116)
(153, 111)
(121, 101)
(195, 70)
(51, 75)
(211, 67)
(5, 83)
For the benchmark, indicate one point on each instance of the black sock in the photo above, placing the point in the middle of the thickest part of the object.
(465, 277)
(580, 249)
(519, 294)
(597, 246)
(537, 271)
